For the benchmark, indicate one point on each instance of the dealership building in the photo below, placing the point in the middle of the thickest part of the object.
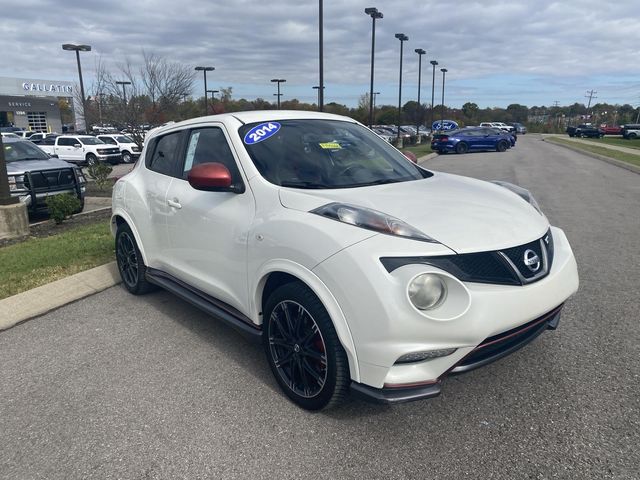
(32, 104)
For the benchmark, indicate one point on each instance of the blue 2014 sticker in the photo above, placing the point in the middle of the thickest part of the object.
(261, 132)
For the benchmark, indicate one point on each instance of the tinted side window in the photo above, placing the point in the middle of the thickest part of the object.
(67, 142)
(210, 145)
(166, 155)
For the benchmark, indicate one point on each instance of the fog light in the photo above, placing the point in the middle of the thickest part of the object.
(420, 356)
(427, 291)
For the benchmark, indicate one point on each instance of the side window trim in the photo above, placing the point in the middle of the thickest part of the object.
(177, 165)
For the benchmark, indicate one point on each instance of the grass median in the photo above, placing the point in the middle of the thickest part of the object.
(38, 261)
(620, 142)
(419, 150)
(631, 158)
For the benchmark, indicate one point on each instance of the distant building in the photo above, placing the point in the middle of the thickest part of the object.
(32, 104)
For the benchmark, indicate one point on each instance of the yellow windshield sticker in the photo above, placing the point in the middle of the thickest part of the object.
(330, 146)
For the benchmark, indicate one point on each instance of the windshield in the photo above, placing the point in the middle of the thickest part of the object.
(24, 150)
(324, 154)
(123, 139)
(90, 141)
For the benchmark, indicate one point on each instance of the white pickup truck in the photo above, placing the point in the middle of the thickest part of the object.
(82, 149)
(128, 147)
(500, 125)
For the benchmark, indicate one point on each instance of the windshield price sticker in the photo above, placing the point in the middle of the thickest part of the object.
(261, 132)
(330, 146)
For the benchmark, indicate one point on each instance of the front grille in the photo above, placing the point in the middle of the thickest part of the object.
(108, 151)
(48, 180)
(502, 267)
(504, 343)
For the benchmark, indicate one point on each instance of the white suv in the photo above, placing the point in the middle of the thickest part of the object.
(357, 269)
(128, 147)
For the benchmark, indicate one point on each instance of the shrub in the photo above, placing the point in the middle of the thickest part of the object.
(99, 173)
(61, 206)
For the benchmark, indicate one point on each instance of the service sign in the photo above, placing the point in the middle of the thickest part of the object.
(444, 125)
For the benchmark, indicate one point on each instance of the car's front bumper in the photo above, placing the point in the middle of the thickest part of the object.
(385, 326)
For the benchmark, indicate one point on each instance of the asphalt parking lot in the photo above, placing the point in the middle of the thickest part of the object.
(116, 386)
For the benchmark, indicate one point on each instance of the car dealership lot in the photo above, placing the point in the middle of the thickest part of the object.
(149, 387)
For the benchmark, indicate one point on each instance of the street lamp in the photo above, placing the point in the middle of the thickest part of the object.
(373, 13)
(205, 70)
(79, 48)
(375, 94)
(403, 38)
(317, 87)
(124, 92)
(320, 60)
(420, 52)
(213, 93)
(279, 81)
(444, 72)
(433, 85)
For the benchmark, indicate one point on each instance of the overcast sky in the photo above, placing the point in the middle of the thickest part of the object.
(532, 52)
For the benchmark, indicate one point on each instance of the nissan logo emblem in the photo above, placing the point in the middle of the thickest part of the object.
(531, 260)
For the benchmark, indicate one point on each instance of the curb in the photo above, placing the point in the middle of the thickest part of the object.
(612, 161)
(427, 157)
(43, 299)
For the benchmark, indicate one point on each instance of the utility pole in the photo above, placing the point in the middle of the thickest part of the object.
(590, 94)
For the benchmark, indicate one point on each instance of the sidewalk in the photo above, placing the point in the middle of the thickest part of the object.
(632, 151)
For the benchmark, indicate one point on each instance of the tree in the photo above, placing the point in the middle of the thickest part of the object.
(414, 112)
(470, 110)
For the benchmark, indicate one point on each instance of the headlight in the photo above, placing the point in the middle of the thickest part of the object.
(521, 192)
(371, 220)
(427, 291)
(16, 182)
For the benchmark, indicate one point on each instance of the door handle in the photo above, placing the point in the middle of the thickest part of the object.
(174, 204)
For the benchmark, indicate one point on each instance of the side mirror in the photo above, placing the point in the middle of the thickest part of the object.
(411, 156)
(77, 145)
(212, 177)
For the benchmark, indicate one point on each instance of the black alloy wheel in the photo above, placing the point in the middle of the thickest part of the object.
(303, 349)
(130, 264)
(502, 146)
(462, 147)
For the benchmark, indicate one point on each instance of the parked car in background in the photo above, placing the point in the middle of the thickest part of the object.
(82, 149)
(383, 133)
(520, 129)
(38, 137)
(9, 135)
(631, 131)
(500, 125)
(128, 148)
(472, 139)
(356, 269)
(33, 175)
(611, 129)
(585, 130)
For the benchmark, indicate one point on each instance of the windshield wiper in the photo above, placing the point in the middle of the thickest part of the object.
(381, 181)
(304, 184)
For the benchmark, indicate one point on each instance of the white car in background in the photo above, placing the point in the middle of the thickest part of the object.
(357, 269)
(128, 147)
(500, 125)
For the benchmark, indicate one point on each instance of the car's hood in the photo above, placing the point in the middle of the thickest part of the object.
(21, 166)
(464, 214)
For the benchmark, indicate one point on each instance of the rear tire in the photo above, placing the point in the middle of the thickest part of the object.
(462, 147)
(130, 264)
(502, 146)
(303, 349)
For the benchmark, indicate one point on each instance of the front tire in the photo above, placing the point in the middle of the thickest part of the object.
(303, 349)
(462, 147)
(130, 264)
(126, 157)
(91, 159)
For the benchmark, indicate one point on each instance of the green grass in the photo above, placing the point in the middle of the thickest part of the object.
(631, 158)
(420, 150)
(621, 142)
(38, 261)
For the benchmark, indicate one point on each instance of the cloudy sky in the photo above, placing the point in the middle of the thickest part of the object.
(532, 52)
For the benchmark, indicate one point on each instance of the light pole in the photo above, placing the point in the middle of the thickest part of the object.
(317, 87)
(79, 48)
(375, 94)
(124, 92)
(320, 60)
(433, 86)
(403, 38)
(373, 13)
(420, 52)
(444, 72)
(279, 81)
(205, 70)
